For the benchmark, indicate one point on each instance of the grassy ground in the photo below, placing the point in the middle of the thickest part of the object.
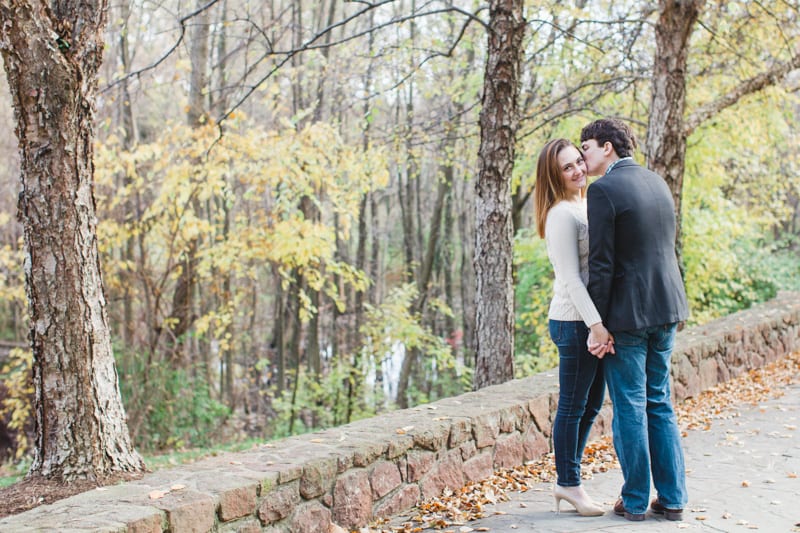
(14, 472)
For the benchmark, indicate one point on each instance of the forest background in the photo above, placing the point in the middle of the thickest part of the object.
(286, 197)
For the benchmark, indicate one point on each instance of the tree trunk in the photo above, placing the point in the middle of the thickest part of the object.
(318, 108)
(666, 133)
(446, 262)
(183, 296)
(494, 228)
(51, 57)
(426, 268)
(129, 140)
(407, 189)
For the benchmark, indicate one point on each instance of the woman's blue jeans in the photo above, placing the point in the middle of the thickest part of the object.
(646, 434)
(580, 377)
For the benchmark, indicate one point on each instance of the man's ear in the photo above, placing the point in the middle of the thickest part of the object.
(608, 148)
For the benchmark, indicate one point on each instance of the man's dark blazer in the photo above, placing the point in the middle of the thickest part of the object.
(634, 279)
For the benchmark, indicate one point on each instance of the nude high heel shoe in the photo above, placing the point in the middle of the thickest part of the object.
(578, 498)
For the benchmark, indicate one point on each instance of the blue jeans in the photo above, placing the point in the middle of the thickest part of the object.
(580, 397)
(646, 435)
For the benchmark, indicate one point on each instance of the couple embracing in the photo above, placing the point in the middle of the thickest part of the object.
(618, 296)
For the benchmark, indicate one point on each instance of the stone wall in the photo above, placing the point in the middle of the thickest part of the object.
(381, 466)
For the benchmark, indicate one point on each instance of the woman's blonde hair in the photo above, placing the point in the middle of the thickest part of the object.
(549, 188)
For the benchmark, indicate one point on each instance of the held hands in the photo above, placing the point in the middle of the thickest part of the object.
(600, 341)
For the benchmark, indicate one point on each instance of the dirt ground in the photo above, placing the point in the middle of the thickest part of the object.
(32, 492)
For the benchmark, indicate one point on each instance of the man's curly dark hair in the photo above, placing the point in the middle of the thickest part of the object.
(611, 130)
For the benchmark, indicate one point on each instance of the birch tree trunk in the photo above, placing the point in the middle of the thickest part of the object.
(493, 206)
(52, 52)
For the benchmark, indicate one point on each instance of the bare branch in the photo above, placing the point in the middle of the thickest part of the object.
(182, 22)
(310, 43)
(766, 79)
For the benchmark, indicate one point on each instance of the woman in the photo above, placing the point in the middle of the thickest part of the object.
(559, 194)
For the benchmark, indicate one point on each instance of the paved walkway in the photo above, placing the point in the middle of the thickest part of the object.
(742, 475)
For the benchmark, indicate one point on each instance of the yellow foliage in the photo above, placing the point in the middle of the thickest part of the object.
(248, 199)
(16, 376)
(12, 276)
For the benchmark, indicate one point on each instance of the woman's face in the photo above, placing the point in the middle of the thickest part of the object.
(573, 170)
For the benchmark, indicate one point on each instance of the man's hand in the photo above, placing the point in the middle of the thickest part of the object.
(600, 341)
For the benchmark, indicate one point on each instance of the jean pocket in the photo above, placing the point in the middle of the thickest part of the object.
(556, 331)
(634, 337)
(665, 338)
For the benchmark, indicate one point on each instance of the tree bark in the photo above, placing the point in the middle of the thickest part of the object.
(467, 292)
(129, 140)
(666, 133)
(51, 56)
(493, 259)
(183, 297)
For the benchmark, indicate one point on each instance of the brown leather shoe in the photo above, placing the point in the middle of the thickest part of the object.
(669, 514)
(619, 509)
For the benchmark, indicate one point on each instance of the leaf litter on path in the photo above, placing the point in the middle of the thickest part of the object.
(455, 508)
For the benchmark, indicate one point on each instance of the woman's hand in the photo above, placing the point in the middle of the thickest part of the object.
(600, 341)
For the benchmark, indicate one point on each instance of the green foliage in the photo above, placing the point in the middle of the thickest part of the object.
(168, 408)
(13, 302)
(13, 472)
(732, 205)
(318, 403)
(534, 288)
(166, 460)
(394, 322)
(716, 280)
(17, 406)
(351, 390)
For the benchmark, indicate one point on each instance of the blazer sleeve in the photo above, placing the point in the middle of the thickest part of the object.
(601, 248)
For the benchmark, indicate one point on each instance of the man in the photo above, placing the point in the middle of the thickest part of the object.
(636, 285)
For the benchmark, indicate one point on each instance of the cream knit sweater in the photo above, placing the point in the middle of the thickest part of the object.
(567, 238)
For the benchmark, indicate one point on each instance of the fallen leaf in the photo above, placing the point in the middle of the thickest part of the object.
(236, 462)
(726, 515)
(177, 487)
(317, 441)
(701, 517)
(462, 505)
(157, 494)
